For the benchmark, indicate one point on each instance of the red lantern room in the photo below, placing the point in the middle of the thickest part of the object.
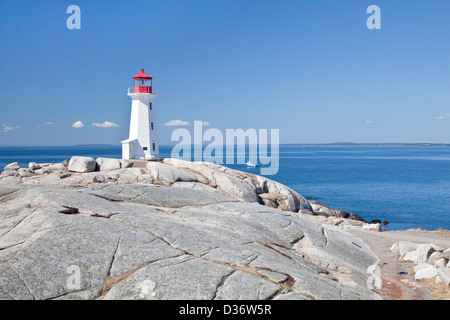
(142, 83)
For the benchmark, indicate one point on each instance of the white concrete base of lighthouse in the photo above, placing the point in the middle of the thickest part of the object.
(132, 149)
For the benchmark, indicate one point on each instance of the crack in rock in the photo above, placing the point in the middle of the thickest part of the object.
(110, 281)
(222, 283)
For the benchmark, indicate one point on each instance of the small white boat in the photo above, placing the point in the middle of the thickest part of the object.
(250, 164)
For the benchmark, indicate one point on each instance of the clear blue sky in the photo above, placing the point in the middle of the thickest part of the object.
(310, 68)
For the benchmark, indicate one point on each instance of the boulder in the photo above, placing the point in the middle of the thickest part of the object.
(125, 163)
(294, 201)
(424, 251)
(106, 164)
(445, 254)
(200, 168)
(12, 166)
(412, 256)
(82, 164)
(169, 174)
(440, 263)
(436, 247)
(34, 166)
(444, 275)
(426, 273)
(372, 227)
(406, 246)
(323, 210)
(434, 257)
(341, 214)
(421, 266)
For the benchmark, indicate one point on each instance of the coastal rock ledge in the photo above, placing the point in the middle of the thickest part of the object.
(170, 229)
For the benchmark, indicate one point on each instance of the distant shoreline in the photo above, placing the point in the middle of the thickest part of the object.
(95, 145)
(380, 144)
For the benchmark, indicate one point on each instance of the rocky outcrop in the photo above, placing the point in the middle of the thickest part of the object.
(323, 210)
(169, 230)
(179, 173)
(245, 186)
(430, 260)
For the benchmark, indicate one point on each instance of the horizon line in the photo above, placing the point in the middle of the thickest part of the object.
(280, 144)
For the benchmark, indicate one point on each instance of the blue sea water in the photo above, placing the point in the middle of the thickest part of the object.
(407, 185)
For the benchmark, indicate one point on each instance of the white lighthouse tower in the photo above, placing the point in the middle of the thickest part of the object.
(143, 139)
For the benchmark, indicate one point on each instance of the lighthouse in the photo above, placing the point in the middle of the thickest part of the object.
(142, 142)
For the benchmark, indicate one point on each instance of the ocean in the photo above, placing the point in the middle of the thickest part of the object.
(409, 186)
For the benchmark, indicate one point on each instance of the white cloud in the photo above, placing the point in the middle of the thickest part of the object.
(48, 123)
(9, 127)
(78, 124)
(106, 124)
(445, 117)
(370, 122)
(176, 123)
(205, 123)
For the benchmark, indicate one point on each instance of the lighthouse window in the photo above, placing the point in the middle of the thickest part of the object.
(153, 146)
(144, 148)
(150, 106)
(151, 125)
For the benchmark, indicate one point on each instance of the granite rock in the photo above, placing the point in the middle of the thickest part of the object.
(108, 240)
(106, 164)
(12, 166)
(82, 164)
(169, 230)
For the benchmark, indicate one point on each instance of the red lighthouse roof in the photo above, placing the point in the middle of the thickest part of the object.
(142, 75)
